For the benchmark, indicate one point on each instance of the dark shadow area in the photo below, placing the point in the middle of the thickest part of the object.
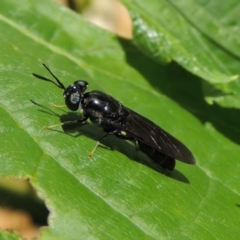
(184, 88)
(28, 203)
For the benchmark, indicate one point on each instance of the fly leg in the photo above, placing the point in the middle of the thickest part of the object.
(83, 120)
(57, 106)
(98, 142)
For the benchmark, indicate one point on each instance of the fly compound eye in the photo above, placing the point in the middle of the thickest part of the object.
(81, 85)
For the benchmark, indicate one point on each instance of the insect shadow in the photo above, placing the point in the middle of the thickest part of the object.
(110, 143)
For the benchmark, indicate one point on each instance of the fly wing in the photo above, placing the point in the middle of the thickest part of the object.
(144, 130)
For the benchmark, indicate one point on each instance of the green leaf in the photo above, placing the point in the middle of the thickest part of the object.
(115, 194)
(218, 22)
(9, 236)
(199, 36)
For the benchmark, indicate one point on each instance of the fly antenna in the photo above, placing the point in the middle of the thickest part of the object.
(58, 84)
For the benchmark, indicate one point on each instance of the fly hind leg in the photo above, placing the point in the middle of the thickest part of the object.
(98, 142)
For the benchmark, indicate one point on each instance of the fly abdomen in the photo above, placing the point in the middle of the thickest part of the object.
(163, 160)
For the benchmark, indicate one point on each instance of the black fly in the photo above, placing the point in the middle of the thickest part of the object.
(122, 122)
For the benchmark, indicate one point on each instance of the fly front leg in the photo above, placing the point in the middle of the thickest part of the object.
(83, 120)
(98, 142)
(57, 106)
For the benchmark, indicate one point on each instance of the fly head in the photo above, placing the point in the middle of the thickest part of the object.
(73, 94)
